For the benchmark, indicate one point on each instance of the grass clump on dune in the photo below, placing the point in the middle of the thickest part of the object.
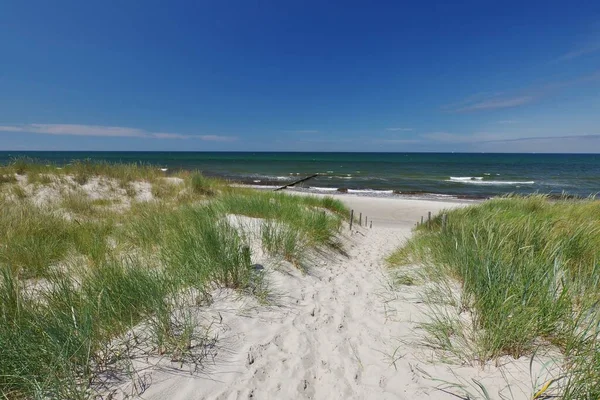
(54, 341)
(79, 270)
(284, 241)
(81, 170)
(200, 184)
(31, 238)
(7, 178)
(78, 203)
(293, 224)
(307, 214)
(196, 246)
(529, 273)
(51, 344)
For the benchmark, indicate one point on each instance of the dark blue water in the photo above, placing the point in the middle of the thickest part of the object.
(439, 173)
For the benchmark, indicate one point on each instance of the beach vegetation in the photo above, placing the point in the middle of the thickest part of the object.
(85, 280)
(18, 191)
(7, 178)
(511, 275)
(163, 189)
(200, 184)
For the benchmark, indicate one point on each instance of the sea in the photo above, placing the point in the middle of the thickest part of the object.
(461, 175)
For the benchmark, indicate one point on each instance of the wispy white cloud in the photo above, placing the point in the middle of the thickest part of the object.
(302, 131)
(517, 98)
(399, 141)
(443, 137)
(447, 137)
(582, 50)
(533, 138)
(491, 138)
(161, 135)
(76, 130)
(216, 138)
(105, 131)
(496, 103)
(324, 140)
(544, 144)
(399, 129)
(476, 137)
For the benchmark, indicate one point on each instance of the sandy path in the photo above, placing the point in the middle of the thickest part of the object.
(339, 332)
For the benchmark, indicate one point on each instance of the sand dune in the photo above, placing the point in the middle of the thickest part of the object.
(338, 332)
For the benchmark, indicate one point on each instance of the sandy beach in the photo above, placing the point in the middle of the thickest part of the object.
(340, 331)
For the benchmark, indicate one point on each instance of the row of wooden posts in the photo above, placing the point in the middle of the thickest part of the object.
(428, 222)
(444, 220)
(360, 220)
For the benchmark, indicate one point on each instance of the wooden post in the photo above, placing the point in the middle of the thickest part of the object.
(370, 227)
(444, 222)
(429, 218)
(366, 220)
(351, 218)
(360, 219)
(295, 182)
(421, 220)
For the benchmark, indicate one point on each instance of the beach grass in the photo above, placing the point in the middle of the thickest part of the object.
(81, 170)
(7, 178)
(32, 238)
(200, 184)
(318, 218)
(285, 241)
(528, 273)
(78, 272)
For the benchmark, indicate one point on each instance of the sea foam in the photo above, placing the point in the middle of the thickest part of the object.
(482, 182)
(466, 178)
(323, 189)
(370, 191)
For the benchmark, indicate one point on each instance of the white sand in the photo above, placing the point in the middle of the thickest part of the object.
(339, 332)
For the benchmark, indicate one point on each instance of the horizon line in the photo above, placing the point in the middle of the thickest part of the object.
(287, 151)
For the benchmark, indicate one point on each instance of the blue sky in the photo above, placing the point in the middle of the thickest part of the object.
(490, 76)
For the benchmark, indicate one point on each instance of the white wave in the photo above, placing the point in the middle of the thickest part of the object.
(256, 181)
(355, 191)
(493, 182)
(466, 178)
(164, 169)
(370, 191)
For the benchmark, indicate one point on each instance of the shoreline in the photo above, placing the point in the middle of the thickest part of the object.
(370, 193)
(393, 194)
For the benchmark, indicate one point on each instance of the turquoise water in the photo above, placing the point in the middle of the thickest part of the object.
(438, 173)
